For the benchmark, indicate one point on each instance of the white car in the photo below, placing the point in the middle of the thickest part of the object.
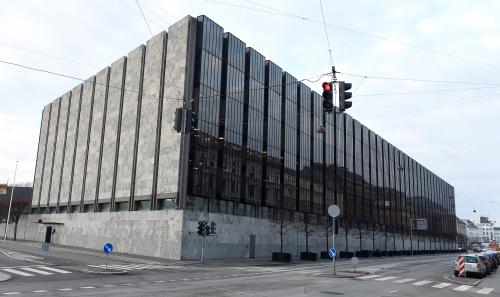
(474, 265)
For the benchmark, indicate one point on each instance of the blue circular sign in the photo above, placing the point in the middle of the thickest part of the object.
(45, 247)
(332, 252)
(108, 248)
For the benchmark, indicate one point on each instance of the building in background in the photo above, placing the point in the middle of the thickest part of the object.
(485, 225)
(462, 236)
(473, 232)
(111, 168)
(496, 234)
(21, 206)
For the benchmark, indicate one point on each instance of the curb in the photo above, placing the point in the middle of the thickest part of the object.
(463, 283)
(345, 274)
(4, 276)
(106, 272)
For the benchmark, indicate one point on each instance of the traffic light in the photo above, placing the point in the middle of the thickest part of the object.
(201, 228)
(344, 96)
(327, 97)
(207, 229)
(212, 228)
(178, 120)
(183, 120)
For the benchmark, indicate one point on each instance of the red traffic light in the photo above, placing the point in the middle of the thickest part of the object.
(326, 86)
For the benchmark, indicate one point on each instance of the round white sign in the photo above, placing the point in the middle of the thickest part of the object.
(333, 211)
(355, 261)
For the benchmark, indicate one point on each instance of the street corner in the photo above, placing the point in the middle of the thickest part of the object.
(4, 276)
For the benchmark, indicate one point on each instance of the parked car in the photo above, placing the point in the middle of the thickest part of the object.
(495, 255)
(487, 262)
(474, 265)
(492, 259)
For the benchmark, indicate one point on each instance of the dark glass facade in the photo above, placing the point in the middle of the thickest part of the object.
(255, 149)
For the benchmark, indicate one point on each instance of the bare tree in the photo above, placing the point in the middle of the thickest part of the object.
(284, 224)
(18, 209)
(326, 226)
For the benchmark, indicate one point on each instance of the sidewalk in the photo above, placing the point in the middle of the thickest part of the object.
(264, 261)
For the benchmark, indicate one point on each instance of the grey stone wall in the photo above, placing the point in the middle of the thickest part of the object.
(60, 148)
(82, 141)
(149, 116)
(69, 152)
(129, 124)
(111, 129)
(40, 159)
(148, 233)
(49, 153)
(94, 151)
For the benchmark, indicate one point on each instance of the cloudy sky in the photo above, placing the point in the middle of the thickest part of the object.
(446, 116)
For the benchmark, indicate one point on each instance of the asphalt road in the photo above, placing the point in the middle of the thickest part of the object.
(60, 273)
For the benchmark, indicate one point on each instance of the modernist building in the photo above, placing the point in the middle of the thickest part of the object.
(111, 168)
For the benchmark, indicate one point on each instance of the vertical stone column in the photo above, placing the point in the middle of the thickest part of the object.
(150, 111)
(49, 153)
(131, 97)
(60, 149)
(174, 147)
(40, 159)
(96, 131)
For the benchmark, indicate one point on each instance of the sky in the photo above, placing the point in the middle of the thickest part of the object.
(446, 116)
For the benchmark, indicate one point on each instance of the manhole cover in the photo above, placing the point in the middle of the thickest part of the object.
(331, 293)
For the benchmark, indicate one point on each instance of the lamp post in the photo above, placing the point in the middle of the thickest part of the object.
(10, 207)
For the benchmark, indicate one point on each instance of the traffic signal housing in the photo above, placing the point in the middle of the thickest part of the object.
(344, 96)
(201, 228)
(327, 97)
(213, 225)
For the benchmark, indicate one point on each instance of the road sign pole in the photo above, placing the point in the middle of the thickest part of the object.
(202, 249)
(107, 261)
(333, 244)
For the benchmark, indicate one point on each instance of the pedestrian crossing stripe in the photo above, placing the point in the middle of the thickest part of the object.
(130, 267)
(461, 288)
(34, 270)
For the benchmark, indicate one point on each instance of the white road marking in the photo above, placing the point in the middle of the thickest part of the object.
(442, 285)
(404, 280)
(462, 288)
(385, 278)
(17, 272)
(53, 269)
(12, 293)
(485, 291)
(40, 291)
(369, 276)
(66, 289)
(36, 271)
(87, 287)
(159, 281)
(421, 283)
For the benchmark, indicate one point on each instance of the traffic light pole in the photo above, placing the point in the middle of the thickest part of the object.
(202, 249)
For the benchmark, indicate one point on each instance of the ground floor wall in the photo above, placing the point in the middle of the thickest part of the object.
(172, 234)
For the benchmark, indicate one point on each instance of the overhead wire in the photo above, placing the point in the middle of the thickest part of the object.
(218, 94)
(47, 55)
(326, 34)
(288, 14)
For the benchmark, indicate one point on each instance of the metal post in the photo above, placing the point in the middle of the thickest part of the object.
(107, 255)
(10, 207)
(411, 236)
(333, 244)
(202, 249)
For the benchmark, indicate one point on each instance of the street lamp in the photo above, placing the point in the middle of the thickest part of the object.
(10, 207)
